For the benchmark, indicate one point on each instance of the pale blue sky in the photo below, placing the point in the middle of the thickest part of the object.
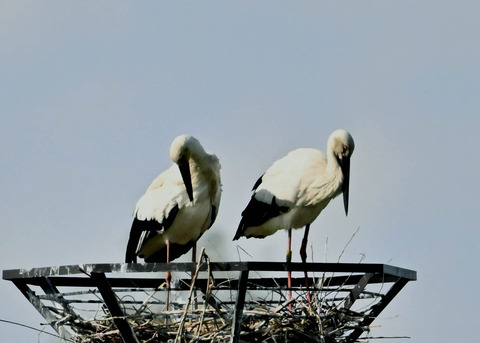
(92, 94)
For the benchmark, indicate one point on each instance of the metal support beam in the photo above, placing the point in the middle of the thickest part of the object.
(47, 314)
(214, 266)
(59, 302)
(126, 331)
(377, 309)
(357, 290)
(239, 304)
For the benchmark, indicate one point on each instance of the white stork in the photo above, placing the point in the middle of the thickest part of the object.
(296, 188)
(178, 207)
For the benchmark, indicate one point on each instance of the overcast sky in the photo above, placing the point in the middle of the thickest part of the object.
(92, 94)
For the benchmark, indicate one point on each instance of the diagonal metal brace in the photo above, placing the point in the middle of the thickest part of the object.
(126, 331)
(357, 290)
(377, 309)
(48, 315)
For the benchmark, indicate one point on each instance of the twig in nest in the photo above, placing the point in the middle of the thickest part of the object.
(189, 301)
(346, 245)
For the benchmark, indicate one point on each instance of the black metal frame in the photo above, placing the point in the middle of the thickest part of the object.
(359, 275)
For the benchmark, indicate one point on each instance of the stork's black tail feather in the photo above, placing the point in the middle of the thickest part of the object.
(176, 250)
(130, 255)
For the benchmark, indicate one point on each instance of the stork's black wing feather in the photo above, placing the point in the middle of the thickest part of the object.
(213, 215)
(259, 181)
(144, 230)
(256, 213)
(177, 250)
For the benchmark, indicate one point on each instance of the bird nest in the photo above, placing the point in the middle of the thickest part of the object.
(260, 324)
(212, 320)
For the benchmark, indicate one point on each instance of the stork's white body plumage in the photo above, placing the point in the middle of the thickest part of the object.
(296, 188)
(295, 183)
(179, 206)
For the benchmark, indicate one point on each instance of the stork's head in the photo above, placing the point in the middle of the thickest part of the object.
(181, 150)
(341, 145)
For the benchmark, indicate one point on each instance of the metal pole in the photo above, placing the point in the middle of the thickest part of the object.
(239, 304)
(126, 331)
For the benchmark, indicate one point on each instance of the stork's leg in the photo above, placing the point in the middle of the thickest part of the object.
(194, 260)
(303, 255)
(194, 253)
(168, 276)
(289, 259)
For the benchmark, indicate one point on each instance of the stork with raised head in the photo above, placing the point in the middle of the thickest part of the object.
(178, 207)
(295, 190)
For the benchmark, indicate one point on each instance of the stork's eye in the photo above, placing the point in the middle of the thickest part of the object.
(345, 150)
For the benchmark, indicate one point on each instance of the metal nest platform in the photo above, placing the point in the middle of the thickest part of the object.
(211, 301)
